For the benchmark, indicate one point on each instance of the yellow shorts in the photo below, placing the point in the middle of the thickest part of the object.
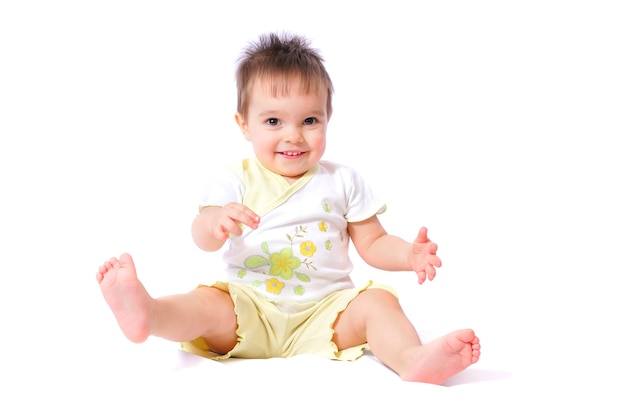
(266, 329)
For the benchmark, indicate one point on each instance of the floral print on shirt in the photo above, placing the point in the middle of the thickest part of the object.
(284, 264)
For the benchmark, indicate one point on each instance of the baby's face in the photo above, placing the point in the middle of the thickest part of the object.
(287, 132)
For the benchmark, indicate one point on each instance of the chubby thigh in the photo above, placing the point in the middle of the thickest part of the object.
(268, 329)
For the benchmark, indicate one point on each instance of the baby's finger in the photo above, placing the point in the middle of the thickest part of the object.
(243, 215)
(421, 277)
(422, 236)
(431, 272)
(226, 228)
(436, 261)
(247, 220)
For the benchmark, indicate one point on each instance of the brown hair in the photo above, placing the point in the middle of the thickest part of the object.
(279, 60)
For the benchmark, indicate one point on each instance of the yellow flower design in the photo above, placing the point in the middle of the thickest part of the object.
(308, 248)
(274, 285)
(284, 263)
(322, 226)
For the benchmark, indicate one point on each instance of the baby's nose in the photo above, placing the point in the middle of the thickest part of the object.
(293, 135)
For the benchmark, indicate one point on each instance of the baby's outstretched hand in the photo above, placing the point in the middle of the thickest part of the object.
(424, 258)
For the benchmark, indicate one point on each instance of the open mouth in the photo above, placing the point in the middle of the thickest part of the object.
(291, 154)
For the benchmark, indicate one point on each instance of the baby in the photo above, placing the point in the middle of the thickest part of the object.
(288, 217)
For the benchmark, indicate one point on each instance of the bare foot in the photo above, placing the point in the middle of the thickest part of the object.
(444, 357)
(126, 296)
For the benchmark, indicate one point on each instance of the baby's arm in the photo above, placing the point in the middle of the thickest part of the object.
(388, 252)
(212, 227)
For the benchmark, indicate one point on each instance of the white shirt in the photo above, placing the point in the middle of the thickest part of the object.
(299, 252)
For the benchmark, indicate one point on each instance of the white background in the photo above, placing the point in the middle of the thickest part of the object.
(498, 125)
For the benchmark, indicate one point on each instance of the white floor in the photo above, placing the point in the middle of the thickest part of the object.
(498, 127)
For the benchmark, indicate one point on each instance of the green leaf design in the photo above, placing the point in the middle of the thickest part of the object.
(265, 248)
(302, 277)
(256, 261)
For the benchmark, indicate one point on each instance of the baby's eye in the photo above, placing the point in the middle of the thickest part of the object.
(272, 122)
(309, 121)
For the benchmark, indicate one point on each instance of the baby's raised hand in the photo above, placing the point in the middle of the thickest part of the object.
(229, 218)
(424, 258)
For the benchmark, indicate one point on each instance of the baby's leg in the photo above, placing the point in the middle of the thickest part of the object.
(375, 317)
(207, 312)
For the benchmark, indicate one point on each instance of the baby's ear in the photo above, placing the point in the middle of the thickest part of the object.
(242, 125)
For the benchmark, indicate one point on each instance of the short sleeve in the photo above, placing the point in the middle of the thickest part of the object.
(362, 203)
(223, 187)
